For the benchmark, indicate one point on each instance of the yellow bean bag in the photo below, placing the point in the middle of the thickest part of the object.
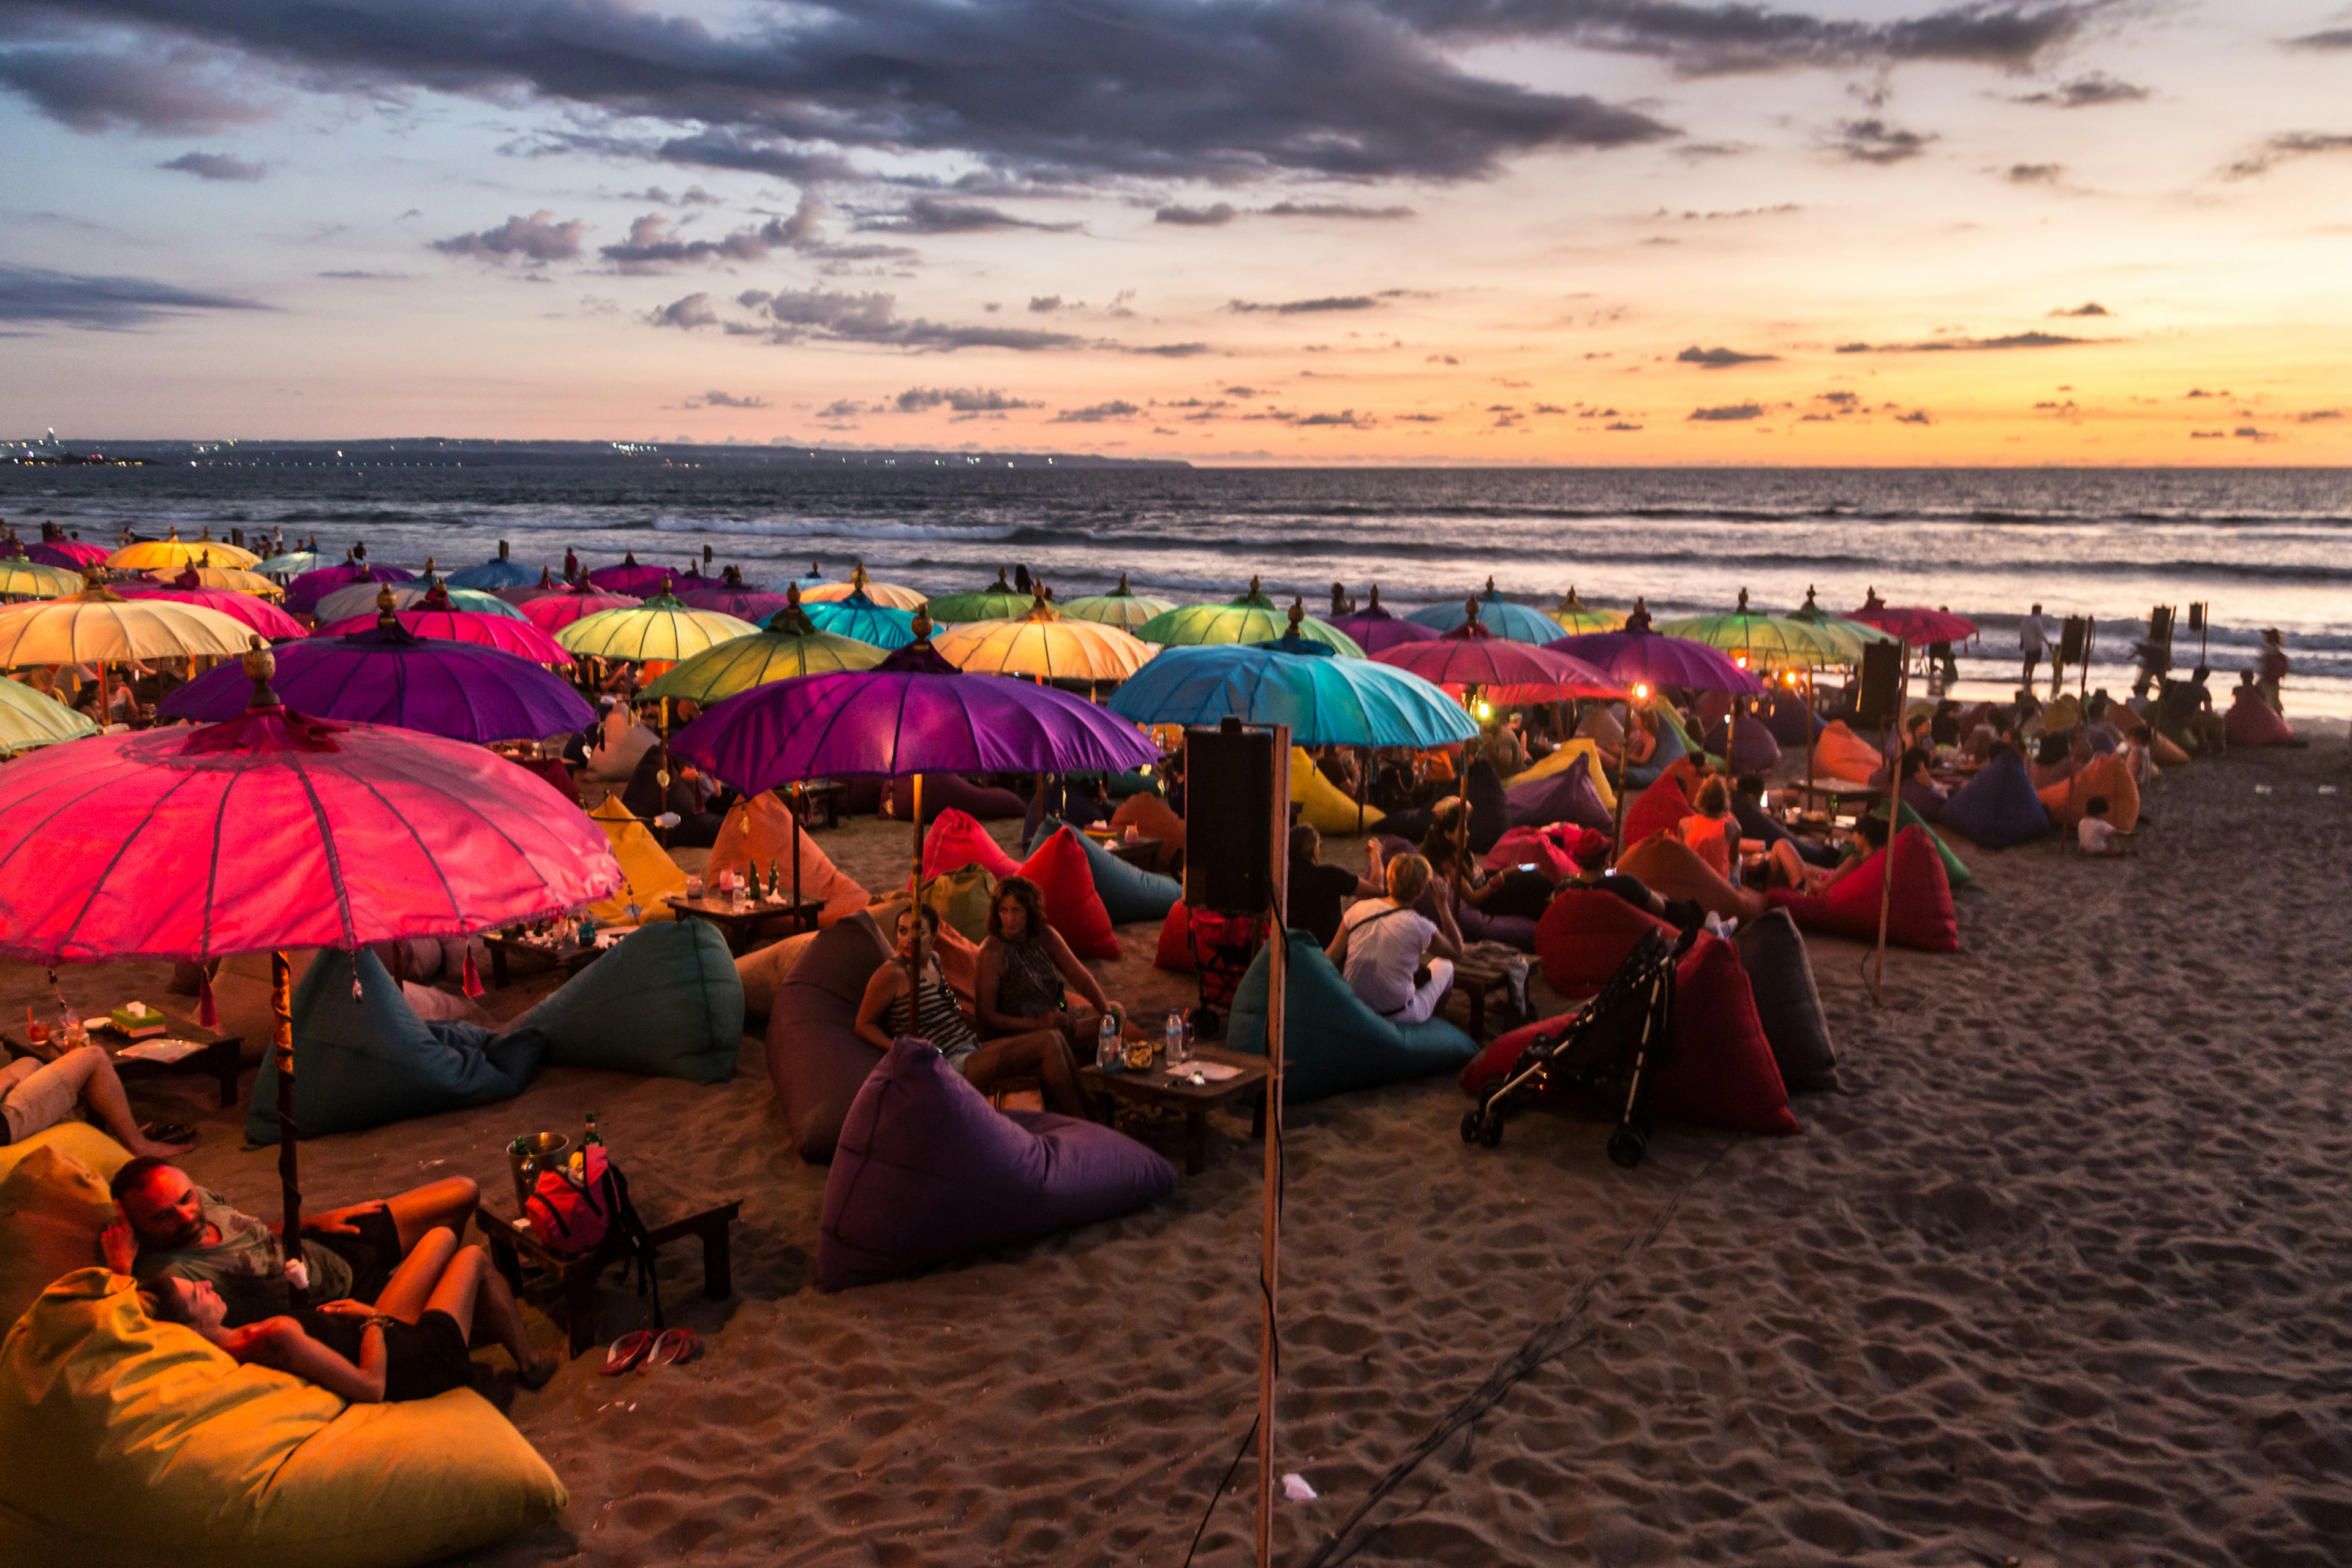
(1843, 755)
(758, 832)
(76, 1140)
(653, 874)
(1323, 806)
(1562, 759)
(2064, 713)
(53, 1204)
(132, 1443)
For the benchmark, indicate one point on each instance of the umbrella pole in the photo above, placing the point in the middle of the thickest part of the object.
(1894, 810)
(915, 979)
(1624, 743)
(1278, 968)
(1363, 765)
(794, 804)
(281, 1056)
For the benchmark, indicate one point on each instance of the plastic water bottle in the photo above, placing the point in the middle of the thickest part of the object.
(1106, 1045)
(1178, 1048)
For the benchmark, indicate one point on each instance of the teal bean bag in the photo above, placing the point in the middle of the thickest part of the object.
(369, 1061)
(1670, 747)
(1128, 892)
(1335, 1042)
(665, 1001)
(1956, 870)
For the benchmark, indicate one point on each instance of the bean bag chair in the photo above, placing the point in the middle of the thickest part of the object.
(1322, 804)
(1999, 806)
(1843, 755)
(1128, 892)
(1073, 907)
(1956, 870)
(1582, 753)
(53, 1204)
(963, 900)
(1490, 808)
(1511, 930)
(1332, 1042)
(1789, 720)
(1721, 1074)
(1152, 817)
(2110, 776)
(1602, 725)
(1788, 1002)
(1919, 915)
(1756, 749)
(1659, 808)
(2250, 721)
(758, 832)
(652, 875)
(928, 1170)
(1545, 848)
(763, 971)
(1584, 934)
(368, 1061)
(2167, 753)
(1225, 945)
(953, 792)
(2064, 713)
(132, 1443)
(957, 840)
(1567, 795)
(1672, 869)
(816, 1059)
(1672, 748)
(1173, 951)
(665, 1002)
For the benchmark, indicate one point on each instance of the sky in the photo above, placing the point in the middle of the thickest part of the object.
(1347, 231)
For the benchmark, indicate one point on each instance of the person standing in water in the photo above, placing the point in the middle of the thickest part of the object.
(2033, 641)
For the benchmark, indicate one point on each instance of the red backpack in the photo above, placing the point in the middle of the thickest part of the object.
(572, 1216)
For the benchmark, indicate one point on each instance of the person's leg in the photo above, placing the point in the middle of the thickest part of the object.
(1429, 994)
(449, 1202)
(1042, 1054)
(86, 1074)
(412, 1285)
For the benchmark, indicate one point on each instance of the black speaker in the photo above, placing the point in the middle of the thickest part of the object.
(1882, 684)
(1229, 819)
(2197, 616)
(2072, 639)
(2159, 625)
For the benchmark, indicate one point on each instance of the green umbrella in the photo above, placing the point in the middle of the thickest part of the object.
(997, 602)
(1852, 637)
(788, 645)
(1122, 608)
(30, 719)
(1762, 642)
(1252, 619)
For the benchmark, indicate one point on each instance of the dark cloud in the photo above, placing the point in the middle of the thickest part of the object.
(1334, 209)
(822, 315)
(2086, 92)
(1874, 141)
(960, 400)
(1846, 401)
(159, 84)
(1916, 416)
(2089, 308)
(1346, 418)
(2314, 416)
(36, 294)
(694, 311)
(841, 408)
(365, 277)
(1150, 88)
(2281, 149)
(1720, 358)
(537, 238)
(2033, 173)
(1197, 217)
(2333, 38)
(2249, 433)
(693, 195)
(1419, 418)
(1168, 351)
(215, 166)
(1951, 345)
(1306, 306)
(1043, 303)
(725, 400)
(936, 215)
(1729, 411)
(653, 244)
(1117, 408)
(1621, 425)
(1773, 211)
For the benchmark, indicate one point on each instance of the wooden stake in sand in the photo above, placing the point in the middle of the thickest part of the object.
(1893, 811)
(1277, 956)
(281, 1057)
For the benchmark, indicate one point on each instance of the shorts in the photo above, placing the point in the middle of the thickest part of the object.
(424, 1358)
(41, 1098)
(373, 1254)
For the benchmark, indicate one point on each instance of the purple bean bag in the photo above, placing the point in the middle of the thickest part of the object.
(1789, 720)
(1998, 807)
(1511, 930)
(816, 1059)
(1566, 796)
(941, 791)
(928, 1170)
(1757, 748)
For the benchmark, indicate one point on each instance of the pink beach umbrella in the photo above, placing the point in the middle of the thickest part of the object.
(432, 616)
(744, 604)
(551, 613)
(1915, 624)
(1636, 655)
(273, 624)
(629, 577)
(345, 835)
(1375, 629)
(1510, 672)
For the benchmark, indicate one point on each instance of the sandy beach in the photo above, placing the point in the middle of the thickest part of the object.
(2057, 1281)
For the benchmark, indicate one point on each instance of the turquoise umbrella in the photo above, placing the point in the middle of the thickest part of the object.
(1325, 701)
(1513, 622)
(858, 616)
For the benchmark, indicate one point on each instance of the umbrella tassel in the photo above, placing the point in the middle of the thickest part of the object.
(206, 1013)
(472, 983)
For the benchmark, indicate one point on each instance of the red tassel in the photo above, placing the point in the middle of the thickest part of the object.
(206, 1013)
(473, 979)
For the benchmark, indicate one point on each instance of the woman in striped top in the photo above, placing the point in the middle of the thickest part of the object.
(1040, 1055)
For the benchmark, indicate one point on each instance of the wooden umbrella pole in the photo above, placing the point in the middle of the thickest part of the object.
(1363, 765)
(1894, 809)
(1625, 745)
(1278, 972)
(915, 976)
(793, 805)
(281, 1056)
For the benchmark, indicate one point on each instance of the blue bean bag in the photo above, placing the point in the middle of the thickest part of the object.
(1790, 722)
(1756, 749)
(1998, 807)
(1565, 797)
(1128, 892)
(1335, 1042)
(1670, 751)
(369, 1061)
(927, 1170)
(667, 1002)
(1490, 805)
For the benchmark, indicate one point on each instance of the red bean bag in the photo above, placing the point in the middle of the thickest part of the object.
(1059, 868)
(1584, 934)
(2250, 721)
(956, 840)
(1843, 755)
(2108, 775)
(1174, 952)
(1545, 848)
(1722, 1073)
(1672, 869)
(1153, 818)
(1657, 809)
(1919, 915)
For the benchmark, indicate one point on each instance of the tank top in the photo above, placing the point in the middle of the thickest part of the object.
(1030, 986)
(940, 1020)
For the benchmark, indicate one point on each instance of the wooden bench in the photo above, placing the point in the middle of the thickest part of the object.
(565, 1283)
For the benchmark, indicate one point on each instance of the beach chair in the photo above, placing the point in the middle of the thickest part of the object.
(1607, 1055)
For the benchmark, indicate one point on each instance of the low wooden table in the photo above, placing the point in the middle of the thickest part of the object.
(565, 1283)
(568, 956)
(1142, 853)
(742, 927)
(1154, 1087)
(830, 793)
(1474, 982)
(221, 1059)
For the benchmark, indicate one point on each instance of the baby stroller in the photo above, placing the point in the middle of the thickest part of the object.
(1607, 1055)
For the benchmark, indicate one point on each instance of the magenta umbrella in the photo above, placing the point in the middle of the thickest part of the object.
(427, 619)
(273, 831)
(1374, 629)
(523, 594)
(70, 553)
(1470, 655)
(551, 613)
(263, 616)
(629, 577)
(303, 593)
(1636, 654)
(1915, 624)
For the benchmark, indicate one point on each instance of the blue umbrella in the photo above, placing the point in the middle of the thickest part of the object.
(498, 571)
(1515, 623)
(1325, 701)
(860, 617)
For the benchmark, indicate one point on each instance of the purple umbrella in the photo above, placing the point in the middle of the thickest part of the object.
(1374, 629)
(388, 675)
(302, 595)
(744, 604)
(629, 577)
(1637, 654)
(50, 555)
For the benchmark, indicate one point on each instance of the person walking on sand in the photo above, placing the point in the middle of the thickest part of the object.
(2033, 641)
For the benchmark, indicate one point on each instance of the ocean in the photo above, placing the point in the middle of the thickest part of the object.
(2260, 547)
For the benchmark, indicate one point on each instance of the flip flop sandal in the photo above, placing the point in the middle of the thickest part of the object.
(674, 1347)
(180, 1135)
(626, 1352)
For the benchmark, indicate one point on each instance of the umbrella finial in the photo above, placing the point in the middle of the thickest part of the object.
(1039, 608)
(260, 664)
(1123, 590)
(502, 549)
(429, 569)
(1253, 587)
(1375, 602)
(921, 626)
(1470, 611)
(1490, 588)
(437, 597)
(628, 558)
(1743, 601)
(1297, 615)
(857, 578)
(174, 537)
(385, 606)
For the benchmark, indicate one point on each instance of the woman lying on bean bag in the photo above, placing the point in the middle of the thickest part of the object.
(1038, 1054)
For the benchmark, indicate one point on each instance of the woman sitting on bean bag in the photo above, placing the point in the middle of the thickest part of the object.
(1027, 972)
(1036, 1054)
(1382, 943)
(1784, 868)
(1712, 831)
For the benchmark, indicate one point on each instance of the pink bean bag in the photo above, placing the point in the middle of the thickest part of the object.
(1546, 848)
(956, 840)
(2250, 721)
(1919, 915)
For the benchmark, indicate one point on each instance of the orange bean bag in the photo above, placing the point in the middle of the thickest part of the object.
(2250, 721)
(1672, 869)
(1584, 934)
(1657, 809)
(2166, 753)
(956, 840)
(2108, 775)
(1919, 915)
(1843, 755)
(1059, 868)
(758, 831)
(1153, 818)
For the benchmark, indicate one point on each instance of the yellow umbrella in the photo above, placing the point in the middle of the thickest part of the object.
(23, 579)
(149, 554)
(788, 646)
(1044, 643)
(661, 628)
(95, 626)
(235, 579)
(1579, 617)
(890, 596)
(30, 719)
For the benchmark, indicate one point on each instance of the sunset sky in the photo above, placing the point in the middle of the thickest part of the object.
(1361, 230)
